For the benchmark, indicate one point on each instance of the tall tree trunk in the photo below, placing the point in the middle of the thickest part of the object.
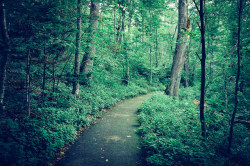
(230, 138)
(5, 51)
(75, 90)
(88, 59)
(203, 70)
(179, 57)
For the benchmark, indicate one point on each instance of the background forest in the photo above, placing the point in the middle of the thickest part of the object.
(63, 61)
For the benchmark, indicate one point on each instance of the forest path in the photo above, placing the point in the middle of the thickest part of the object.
(112, 141)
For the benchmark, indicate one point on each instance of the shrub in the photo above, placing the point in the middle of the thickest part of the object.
(35, 140)
(170, 129)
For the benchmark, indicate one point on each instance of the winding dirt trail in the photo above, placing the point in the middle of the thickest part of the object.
(112, 141)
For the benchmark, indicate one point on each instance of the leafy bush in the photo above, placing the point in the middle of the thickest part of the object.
(170, 129)
(35, 140)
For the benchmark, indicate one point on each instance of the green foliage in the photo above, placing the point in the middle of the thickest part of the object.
(35, 140)
(170, 129)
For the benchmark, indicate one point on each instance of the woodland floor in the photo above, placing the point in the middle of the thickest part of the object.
(112, 141)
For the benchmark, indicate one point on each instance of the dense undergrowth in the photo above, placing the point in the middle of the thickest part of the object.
(35, 140)
(170, 129)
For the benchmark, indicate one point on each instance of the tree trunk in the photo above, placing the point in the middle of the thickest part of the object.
(5, 51)
(179, 57)
(75, 90)
(203, 71)
(88, 60)
(203, 66)
(230, 138)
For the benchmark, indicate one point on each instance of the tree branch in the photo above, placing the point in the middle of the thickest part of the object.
(197, 7)
(199, 25)
(242, 122)
(197, 55)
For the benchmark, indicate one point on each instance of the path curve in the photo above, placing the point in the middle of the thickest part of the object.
(112, 141)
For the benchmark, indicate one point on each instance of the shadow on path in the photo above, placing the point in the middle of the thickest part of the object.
(112, 141)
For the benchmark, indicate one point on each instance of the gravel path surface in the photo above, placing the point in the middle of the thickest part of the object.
(112, 141)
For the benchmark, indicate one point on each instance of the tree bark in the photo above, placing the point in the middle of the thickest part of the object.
(203, 66)
(230, 138)
(88, 60)
(5, 51)
(75, 90)
(179, 57)
(203, 71)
